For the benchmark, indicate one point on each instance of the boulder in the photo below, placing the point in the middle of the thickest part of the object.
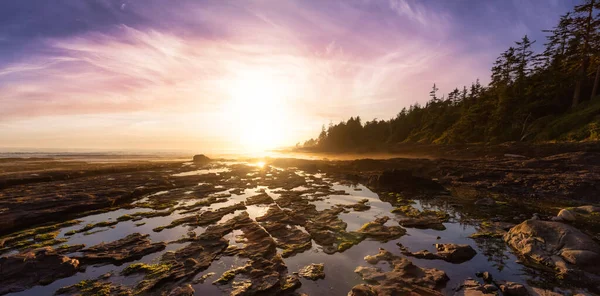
(557, 245)
(201, 159)
(513, 289)
(362, 290)
(455, 253)
(567, 215)
(313, 271)
(471, 287)
(404, 278)
(37, 267)
(377, 230)
(587, 209)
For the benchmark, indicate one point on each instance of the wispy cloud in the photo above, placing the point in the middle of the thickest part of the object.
(171, 73)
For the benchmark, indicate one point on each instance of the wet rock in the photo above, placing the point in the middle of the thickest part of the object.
(329, 231)
(94, 287)
(588, 209)
(452, 253)
(486, 276)
(262, 198)
(377, 230)
(488, 201)
(567, 215)
(66, 249)
(186, 290)
(173, 267)
(492, 230)
(362, 290)
(513, 289)
(201, 159)
(289, 237)
(292, 282)
(404, 277)
(360, 206)
(489, 288)
(313, 271)
(203, 278)
(427, 219)
(455, 253)
(404, 180)
(206, 218)
(265, 270)
(132, 247)
(37, 267)
(471, 287)
(558, 245)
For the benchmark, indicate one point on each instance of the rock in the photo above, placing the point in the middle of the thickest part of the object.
(132, 247)
(513, 289)
(404, 278)
(488, 201)
(557, 245)
(190, 262)
(280, 225)
(37, 267)
(587, 209)
(313, 271)
(262, 198)
(378, 231)
(201, 159)
(489, 288)
(362, 290)
(203, 278)
(186, 290)
(486, 276)
(94, 287)
(567, 215)
(452, 253)
(471, 287)
(455, 253)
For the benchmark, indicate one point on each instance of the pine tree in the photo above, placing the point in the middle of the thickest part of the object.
(585, 26)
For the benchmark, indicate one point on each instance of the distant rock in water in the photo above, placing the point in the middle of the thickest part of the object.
(201, 159)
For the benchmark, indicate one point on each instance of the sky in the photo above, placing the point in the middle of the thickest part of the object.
(237, 75)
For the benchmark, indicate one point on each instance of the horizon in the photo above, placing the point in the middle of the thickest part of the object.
(243, 77)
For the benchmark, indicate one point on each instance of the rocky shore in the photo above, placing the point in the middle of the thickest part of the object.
(268, 217)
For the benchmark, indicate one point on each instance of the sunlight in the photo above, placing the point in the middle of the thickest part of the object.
(258, 110)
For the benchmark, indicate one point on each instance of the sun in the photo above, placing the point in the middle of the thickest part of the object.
(258, 110)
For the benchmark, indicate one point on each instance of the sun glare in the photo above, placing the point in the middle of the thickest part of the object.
(258, 110)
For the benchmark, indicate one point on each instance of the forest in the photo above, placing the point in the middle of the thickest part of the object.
(532, 97)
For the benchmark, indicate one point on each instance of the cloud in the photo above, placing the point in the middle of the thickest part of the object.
(417, 12)
(177, 82)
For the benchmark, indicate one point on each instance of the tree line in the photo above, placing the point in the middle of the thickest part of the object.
(531, 96)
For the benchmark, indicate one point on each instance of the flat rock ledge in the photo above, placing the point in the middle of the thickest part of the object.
(37, 267)
(405, 278)
(564, 248)
(129, 248)
(453, 253)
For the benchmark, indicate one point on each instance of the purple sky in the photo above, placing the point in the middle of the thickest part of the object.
(237, 75)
